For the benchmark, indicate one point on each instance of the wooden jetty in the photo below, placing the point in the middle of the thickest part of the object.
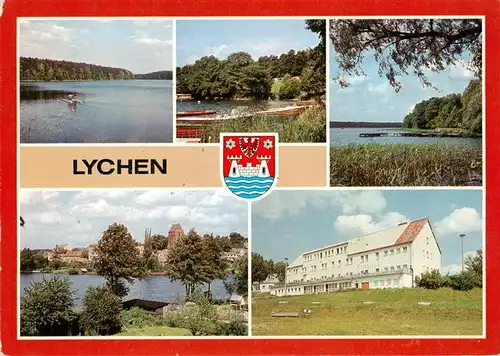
(150, 305)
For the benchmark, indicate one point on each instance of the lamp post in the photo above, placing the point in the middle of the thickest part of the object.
(462, 243)
(286, 268)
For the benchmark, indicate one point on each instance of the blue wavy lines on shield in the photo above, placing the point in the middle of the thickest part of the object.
(249, 187)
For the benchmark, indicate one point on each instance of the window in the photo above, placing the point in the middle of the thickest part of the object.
(427, 240)
(423, 253)
(405, 266)
(375, 283)
(321, 255)
(377, 256)
(431, 255)
(427, 254)
(382, 283)
(385, 253)
(398, 250)
(392, 251)
(339, 263)
(337, 251)
(362, 258)
(388, 282)
(366, 271)
(392, 268)
(399, 267)
(377, 270)
(346, 261)
(333, 263)
(386, 269)
(405, 249)
(350, 261)
(366, 258)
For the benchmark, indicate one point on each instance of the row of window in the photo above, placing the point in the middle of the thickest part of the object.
(387, 282)
(329, 253)
(426, 254)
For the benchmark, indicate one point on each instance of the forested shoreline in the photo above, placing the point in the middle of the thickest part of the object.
(290, 75)
(46, 70)
(461, 111)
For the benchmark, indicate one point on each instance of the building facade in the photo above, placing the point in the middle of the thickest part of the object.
(390, 258)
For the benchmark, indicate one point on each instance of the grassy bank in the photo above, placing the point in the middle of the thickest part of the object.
(394, 312)
(405, 165)
(310, 126)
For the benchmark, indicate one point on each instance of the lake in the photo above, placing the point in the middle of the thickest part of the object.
(224, 107)
(118, 111)
(156, 288)
(346, 136)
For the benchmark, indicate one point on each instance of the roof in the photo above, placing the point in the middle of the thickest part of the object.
(176, 228)
(411, 231)
(403, 233)
(71, 254)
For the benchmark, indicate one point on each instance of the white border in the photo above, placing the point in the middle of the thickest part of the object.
(175, 19)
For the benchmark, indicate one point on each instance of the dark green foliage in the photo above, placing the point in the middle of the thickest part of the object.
(138, 318)
(430, 280)
(46, 308)
(37, 69)
(239, 76)
(452, 111)
(117, 258)
(102, 312)
(405, 46)
(475, 264)
(233, 327)
(73, 271)
(32, 260)
(159, 242)
(162, 75)
(465, 280)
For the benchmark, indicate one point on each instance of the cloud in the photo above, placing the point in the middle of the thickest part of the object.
(381, 88)
(461, 69)
(463, 220)
(283, 203)
(142, 37)
(362, 224)
(451, 269)
(79, 218)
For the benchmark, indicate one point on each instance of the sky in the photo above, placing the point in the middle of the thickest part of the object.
(78, 218)
(139, 46)
(370, 98)
(288, 223)
(198, 38)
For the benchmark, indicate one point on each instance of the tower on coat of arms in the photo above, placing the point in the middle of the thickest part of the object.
(249, 163)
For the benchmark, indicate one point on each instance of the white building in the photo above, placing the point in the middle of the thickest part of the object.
(390, 258)
(268, 283)
(233, 254)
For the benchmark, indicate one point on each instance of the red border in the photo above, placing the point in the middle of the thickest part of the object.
(42, 8)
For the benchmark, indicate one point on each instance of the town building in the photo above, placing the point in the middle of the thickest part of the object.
(162, 255)
(389, 258)
(233, 254)
(175, 233)
(267, 284)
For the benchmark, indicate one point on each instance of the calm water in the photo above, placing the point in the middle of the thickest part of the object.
(128, 111)
(341, 137)
(224, 107)
(157, 288)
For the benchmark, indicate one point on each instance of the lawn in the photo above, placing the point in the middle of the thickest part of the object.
(405, 165)
(159, 330)
(394, 312)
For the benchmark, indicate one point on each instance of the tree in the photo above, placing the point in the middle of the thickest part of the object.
(237, 282)
(430, 280)
(186, 263)
(475, 263)
(46, 308)
(27, 260)
(215, 265)
(102, 312)
(280, 270)
(260, 268)
(402, 46)
(159, 242)
(117, 258)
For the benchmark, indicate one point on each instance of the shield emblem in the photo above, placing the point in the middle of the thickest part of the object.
(249, 167)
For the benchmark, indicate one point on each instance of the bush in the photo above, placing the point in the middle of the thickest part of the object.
(102, 312)
(465, 280)
(431, 280)
(73, 271)
(138, 318)
(234, 327)
(46, 308)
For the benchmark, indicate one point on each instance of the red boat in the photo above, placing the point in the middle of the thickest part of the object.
(195, 113)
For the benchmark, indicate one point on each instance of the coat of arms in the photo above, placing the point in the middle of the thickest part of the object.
(249, 163)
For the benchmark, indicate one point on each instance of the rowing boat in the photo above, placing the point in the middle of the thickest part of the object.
(195, 113)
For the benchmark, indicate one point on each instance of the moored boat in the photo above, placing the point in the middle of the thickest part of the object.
(195, 113)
